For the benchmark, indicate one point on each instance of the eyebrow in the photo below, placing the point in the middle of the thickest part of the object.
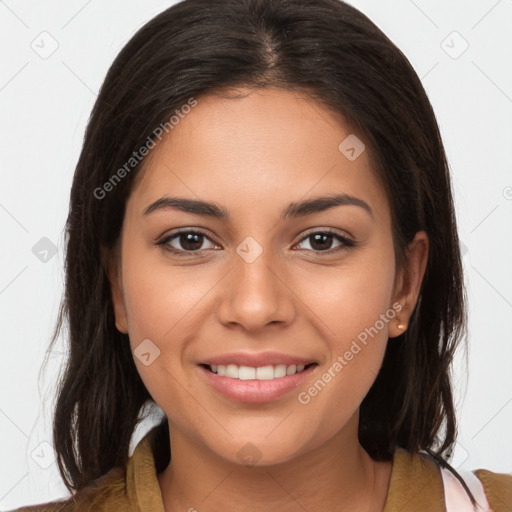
(293, 210)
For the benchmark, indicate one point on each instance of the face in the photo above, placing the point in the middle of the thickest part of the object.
(259, 323)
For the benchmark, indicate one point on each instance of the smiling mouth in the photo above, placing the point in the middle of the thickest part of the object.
(268, 372)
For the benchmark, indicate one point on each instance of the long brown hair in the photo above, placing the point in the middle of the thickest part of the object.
(336, 55)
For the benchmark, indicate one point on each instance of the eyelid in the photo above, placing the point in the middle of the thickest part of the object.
(331, 231)
(167, 237)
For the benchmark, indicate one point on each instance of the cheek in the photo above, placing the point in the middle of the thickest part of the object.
(159, 297)
(355, 308)
(351, 298)
(359, 301)
(162, 305)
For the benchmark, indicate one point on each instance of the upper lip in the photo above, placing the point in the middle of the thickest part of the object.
(256, 360)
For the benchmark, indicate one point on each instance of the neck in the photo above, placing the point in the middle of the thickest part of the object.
(338, 476)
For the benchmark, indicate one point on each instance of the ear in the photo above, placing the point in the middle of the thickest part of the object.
(112, 263)
(408, 282)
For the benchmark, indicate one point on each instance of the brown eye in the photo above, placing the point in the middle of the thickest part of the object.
(322, 241)
(183, 242)
(190, 241)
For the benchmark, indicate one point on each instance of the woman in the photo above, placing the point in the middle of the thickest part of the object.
(262, 241)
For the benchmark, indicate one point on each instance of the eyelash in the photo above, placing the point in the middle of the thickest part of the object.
(346, 242)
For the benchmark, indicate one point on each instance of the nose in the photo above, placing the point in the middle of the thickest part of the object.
(256, 293)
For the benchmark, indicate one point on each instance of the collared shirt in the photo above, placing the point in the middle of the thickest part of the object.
(415, 486)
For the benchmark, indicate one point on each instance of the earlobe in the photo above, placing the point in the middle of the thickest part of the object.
(118, 303)
(397, 326)
(121, 327)
(116, 292)
(401, 325)
(410, 281)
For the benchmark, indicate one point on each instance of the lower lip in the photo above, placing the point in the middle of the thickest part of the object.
(256, 391)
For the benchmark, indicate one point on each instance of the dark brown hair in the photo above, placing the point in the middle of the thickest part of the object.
(335, 54)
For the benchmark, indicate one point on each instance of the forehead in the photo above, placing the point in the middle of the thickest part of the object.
(258, 150)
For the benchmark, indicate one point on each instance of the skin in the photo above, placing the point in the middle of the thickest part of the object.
(253, 156)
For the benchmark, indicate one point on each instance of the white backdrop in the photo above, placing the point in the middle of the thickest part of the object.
(54, 58)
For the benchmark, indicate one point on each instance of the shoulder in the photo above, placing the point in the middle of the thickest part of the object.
(498, 489)
(106, 493)
(130, 488)
(417, 481)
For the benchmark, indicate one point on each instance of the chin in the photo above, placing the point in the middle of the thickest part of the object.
(254, 451)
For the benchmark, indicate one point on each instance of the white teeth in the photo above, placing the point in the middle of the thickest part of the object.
(268, 372)
(232, 371)
(246, 373)
(265, 372)
(280, 370)
(291, 370)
